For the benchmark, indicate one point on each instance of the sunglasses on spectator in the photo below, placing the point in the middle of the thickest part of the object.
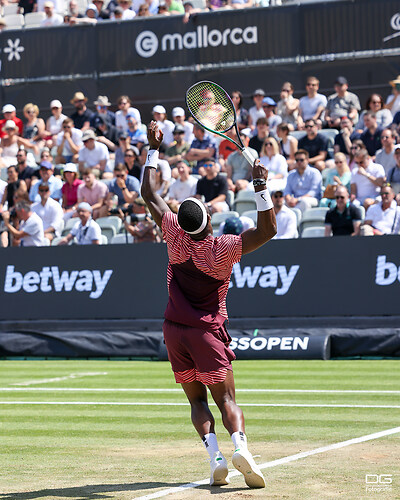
(285, 90)
(355, 147)
(312, 84)
(277, 195)
(361, 163)
(309, 126)
(128, 155)
(376, 102)
(123, 103)
(119, 175)
(385, 137)
(66, 126)
(208, 165)
(338, 162)
(339, 197)
(300, 160)
(268, 144)
(43, 190)
(385, 192)
(31, 112)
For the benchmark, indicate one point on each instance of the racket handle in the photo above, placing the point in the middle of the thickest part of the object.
(249, 156)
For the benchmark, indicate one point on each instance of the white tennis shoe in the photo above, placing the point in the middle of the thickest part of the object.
(219, 470)
(244, 463)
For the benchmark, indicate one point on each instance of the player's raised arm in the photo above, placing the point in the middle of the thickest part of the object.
(266, 222)
(155, 203)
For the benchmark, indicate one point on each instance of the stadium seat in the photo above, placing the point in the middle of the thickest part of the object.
(362, 210)
(244, 201)
(298, 134)
(219, 217)
(230, 198)
(313, 217)
(108, 231)
(112, 220)
(11, 9)
(252, 214)
(14, 21)
(298, 213)
(104, 240)
(68, 225)
(34, 19)
(120, 239)
(313, 232)
(330, 134)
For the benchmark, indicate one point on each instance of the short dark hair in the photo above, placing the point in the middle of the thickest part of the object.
(120, 167)
(302, 152)
(262, 121)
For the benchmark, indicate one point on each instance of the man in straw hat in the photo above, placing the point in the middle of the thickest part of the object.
(393, 101)
(82, 114)
(195, 335)
(102, 110)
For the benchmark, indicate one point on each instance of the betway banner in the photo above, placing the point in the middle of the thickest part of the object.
(341, 276)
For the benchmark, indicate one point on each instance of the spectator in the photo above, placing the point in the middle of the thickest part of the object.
(340, 175)
(366, 179)
(106, 133)
(342, 103)
(303, 187)
(31, 232)
(375, 104)
(202, 148)
(385, 156)
(166, 126)
(256, 111)
(68, 142)
(57, 4)
(136, 135)
(347, 135)
(11, 143)
(382, 217)
(213, 187)
(46, 172)
(286, 220)
(175, 6)
(356, 146)
(73, 12)
(117, 13)
(142, 230)
(52, 18)
(101, 14)
(288, 107)
(13, 184)
(242, 115)
(393, 100)
(178, 115)
(178, 147)
(70, 190)
(26, 7)
(126, 187)
(34, 128)
(94, 155)
(275, 163)
(86, 231)
(124, 144)
(288, 144)
(235, 225)
(124, 109)
(163, 178)
(344, 219)
(143, 10)
(25, 172)
(238, 169)
(315, 144)
(312, 106)
(131, 160)
(226, 147)
(50, 212)
(371, 136)
(55, 122)
(94, 193)
(102, 111)
(183, 187)
(82, 115)
(393, 176)
(257, 141)
(9, 113)
(274, 120)
(127, 12)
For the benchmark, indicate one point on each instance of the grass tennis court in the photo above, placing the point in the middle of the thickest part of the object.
(121, 430)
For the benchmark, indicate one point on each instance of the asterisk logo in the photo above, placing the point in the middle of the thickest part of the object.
(14, 49)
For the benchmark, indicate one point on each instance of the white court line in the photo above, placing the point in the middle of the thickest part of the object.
(59, 379)
(167, 390)
(280, 461)
(153, 403)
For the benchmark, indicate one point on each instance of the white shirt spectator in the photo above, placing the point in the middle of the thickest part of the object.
(180, 190)
(51, 214)
(85, 235)
(396, 105)
(76, 136)
(93, 156)
(255, 114)
(286, 222)
(58, 5)
(384, 220)
(167, 128)
(365, 188)
(34, 228)
(120, 119)
(189, 136)
(386, 160)
(55, 125)
(277, 165)
(309, 105)
(54, 20)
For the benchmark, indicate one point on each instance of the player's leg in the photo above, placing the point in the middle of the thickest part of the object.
(204, 424)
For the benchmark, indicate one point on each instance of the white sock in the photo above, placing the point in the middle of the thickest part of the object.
(239, 440)
(211, 444)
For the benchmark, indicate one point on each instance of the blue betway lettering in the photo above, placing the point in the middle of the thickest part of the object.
(50, 279)
(277, 277)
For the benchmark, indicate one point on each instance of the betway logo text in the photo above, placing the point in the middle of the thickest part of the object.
(147, 42)
(265, 277)
(50, 279)
(386, 272)
(270, 343)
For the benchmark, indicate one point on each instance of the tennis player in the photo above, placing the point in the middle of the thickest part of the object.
(194, 329)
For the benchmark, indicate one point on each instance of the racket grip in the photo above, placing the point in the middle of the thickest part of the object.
(249, 156)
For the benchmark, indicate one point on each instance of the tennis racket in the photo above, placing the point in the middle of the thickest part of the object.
(213, 109)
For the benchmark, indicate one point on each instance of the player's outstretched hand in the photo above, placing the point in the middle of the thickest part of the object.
(154, 135)
(259, 171)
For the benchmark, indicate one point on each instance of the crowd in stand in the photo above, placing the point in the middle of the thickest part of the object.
(67, 172)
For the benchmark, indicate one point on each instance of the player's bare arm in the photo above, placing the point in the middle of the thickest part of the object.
(266, 222)
(154, 202)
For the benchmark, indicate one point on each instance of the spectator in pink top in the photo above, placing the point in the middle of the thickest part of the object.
(70, 190)
(93, 192)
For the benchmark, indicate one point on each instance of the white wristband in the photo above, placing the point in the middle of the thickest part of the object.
(263, 200)
(152, 158)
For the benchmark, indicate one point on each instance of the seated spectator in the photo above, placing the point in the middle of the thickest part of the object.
(202, 148)
(288, 144)
(94, 155)
(274, 120)
(375, 104)
(54, 124)
(166, 126)
(73, 12)
(9, 113)
(175, 6)
(235, 225)
(371, 136)
(70, 190)
(124, 109)
(25, 173)
(183, 187)
(178, 116)
(68, 142)
(344, 218)
(11, 143)
(142, 230)
(34, 128)
(393, 176)
(93, 192)
(50, 212)
(356, 146)
(143, 10)
(101, 14)
(178, 147)
(124, 186)
(213, 187)
(393, 100)
(86, 231)
(52, 18)
(30, 232)
(340, 175)
(275, 163)
(366, 179)
(257, 141)
(226, 148)
(288, 107)
(132, 163)
(12, 185)
(385, 156)
(341, 103)
(124, 143)
(345, 138)
(256, 111)
(163, 178)
(242, 115)
(136, 135)
(46, 172)
(315, 144)
(304, 184)
(127, 12)
(286, 220)
(238, 169)
(102, 104)
(382, 217)
(106, 133)
(82, 115)
(312, 105)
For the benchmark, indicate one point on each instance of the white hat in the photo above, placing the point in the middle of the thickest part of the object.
(91, 6)
(9, 124)
(159, 109)
(88, 134)
(9, 108)
(178, 112)
(85, 206)
(246, 132)
(55, 104)
(70, 167)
